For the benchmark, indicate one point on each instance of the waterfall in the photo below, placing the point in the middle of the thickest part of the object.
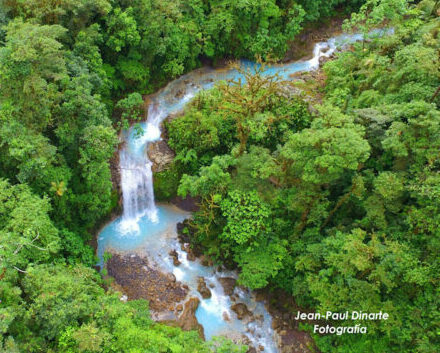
(136, 173)
(147, 227)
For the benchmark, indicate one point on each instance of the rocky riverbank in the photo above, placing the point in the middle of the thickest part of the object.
(172, 302)
(168, 298)
(283, 309)
(280, 305)
(301, 48)
(139, 279)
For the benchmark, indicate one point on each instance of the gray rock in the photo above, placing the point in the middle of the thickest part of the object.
(160, 155)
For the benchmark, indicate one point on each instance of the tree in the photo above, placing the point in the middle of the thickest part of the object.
(121, 29)
(31, 66)
(261, 265)
(96, 147)
(248, 103)
(71, 14)
(314, 159)
(27, 234)
(374, 13)
(357, 271)
(246, 216)
(131, 108)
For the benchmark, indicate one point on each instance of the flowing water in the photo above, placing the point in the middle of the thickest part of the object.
(151, 229)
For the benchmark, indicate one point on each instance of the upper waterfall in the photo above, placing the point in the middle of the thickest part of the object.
(136, 173)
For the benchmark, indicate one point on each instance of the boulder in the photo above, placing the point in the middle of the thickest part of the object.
(183, 236)
(205, 261)
(228, 284)
(160, 155)
(241, 310)
(203, 289)
(190, 204)
(226, 316)
(180, 93)
(189, 253)
(175, 256)
(191, 256)
(187, 320)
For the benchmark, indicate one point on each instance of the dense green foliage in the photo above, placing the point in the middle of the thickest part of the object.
(71, 75)
(67, 306)
(146, 42)
(339, 208)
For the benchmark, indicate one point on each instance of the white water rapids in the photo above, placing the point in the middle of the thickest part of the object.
(149, 228)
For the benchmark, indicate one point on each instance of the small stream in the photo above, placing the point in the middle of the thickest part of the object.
(150, 229)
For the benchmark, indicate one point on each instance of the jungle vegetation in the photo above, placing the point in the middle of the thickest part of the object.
(337, 205)
(337, 202)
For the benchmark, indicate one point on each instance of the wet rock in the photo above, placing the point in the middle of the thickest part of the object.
(241, 310)
(116, 174)
(228, 284)
(184, 231)
(287, 336)
(203, 289)
(189, 253)
(325, 49)
(324, 59)
(160, 155)
(191, 256)
(259, 318)
(275, 324)
(205, 261)
(180, 93)
(226, 316)
(140, 280)
(187, 320)
(175, 256)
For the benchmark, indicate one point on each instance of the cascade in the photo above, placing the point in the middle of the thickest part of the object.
(145, 226)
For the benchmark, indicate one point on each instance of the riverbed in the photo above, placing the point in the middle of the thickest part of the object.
(148, 230)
